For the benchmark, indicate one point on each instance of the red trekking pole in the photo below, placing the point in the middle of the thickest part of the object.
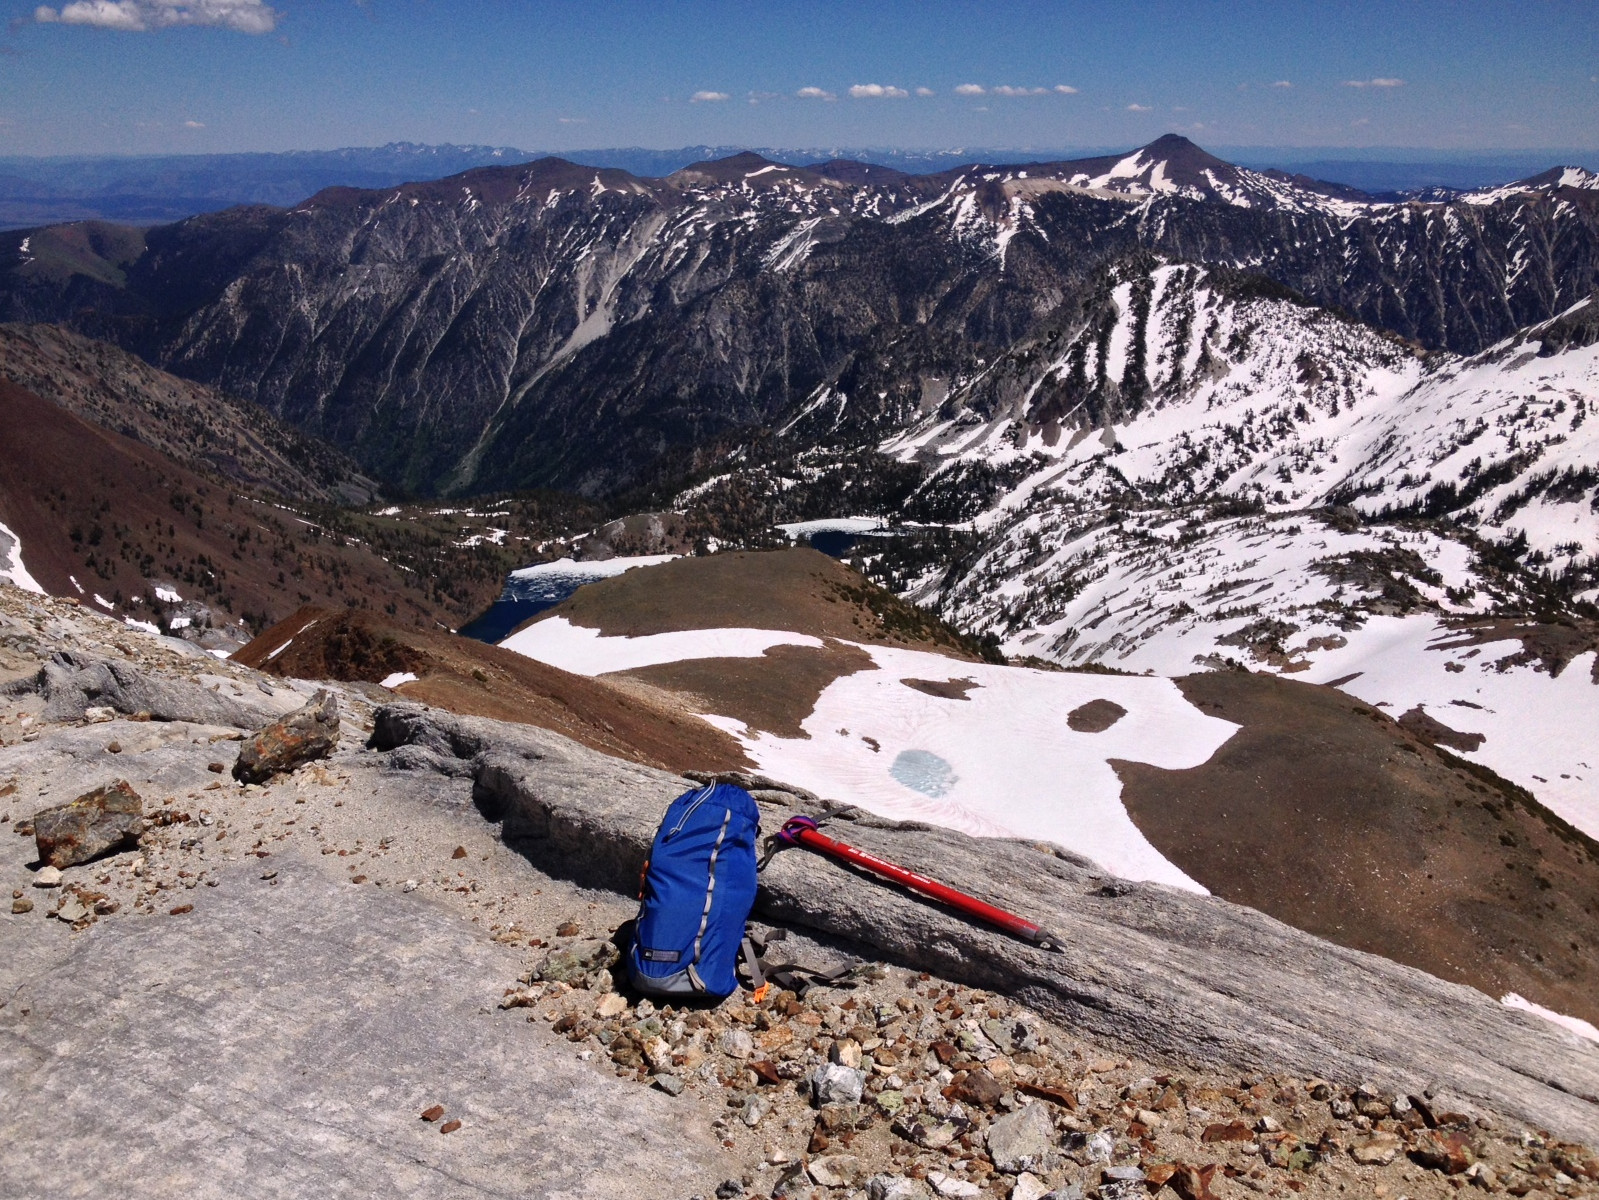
(803, 831)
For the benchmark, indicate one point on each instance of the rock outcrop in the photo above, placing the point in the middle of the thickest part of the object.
(72, 683)
(1191, 977)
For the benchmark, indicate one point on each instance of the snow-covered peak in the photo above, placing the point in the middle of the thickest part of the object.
(1552, 180)
(1174, 166)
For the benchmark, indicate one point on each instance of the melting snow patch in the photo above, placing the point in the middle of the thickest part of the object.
(923, 771)
(396, 679)
(103, 602)
(586, 652)
(799, 530)
(1575, 1024)
(220, 653)
(167, 596)
(147, 626)
(181, 622)
(290, 642)
(1008, 764)
(11, 567)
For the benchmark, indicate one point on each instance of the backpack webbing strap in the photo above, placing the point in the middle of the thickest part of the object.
(757, 974)
(796, 978)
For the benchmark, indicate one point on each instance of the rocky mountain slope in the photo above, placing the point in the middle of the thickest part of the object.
(200, 427)
(114, 523)
(588, 325)
(466, 676)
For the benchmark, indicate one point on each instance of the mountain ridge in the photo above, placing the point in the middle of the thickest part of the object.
(582, 323)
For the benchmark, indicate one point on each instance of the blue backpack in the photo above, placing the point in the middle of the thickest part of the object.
(699, 887)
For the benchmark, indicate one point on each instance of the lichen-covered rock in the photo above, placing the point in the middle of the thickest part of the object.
(1022, 1140)
(581, 965)
(106, 820)
(303, 736)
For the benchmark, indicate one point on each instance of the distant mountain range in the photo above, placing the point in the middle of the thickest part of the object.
(157, 188)
(552, 324)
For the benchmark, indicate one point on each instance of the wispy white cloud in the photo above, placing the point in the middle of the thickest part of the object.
(1140, 108)
(194, 124)
(139, 16)
(708, 97)
(873, 91)
(1005, 89)
(815, 93)
(1283, 83)
(572, 120)
(1376, 83)
(925, 91)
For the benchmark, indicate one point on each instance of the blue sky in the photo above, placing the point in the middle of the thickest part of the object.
(137, 76)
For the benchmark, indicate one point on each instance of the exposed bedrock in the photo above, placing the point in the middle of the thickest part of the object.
(1191, 977)
(72, 683)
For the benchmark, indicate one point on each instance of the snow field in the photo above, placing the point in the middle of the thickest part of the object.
(582, 651)
(1159, 595)
(800, 530)
(1019, 770)
(1001, 763)
(1540, 732)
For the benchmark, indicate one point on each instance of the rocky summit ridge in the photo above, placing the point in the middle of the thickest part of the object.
(312, 957)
